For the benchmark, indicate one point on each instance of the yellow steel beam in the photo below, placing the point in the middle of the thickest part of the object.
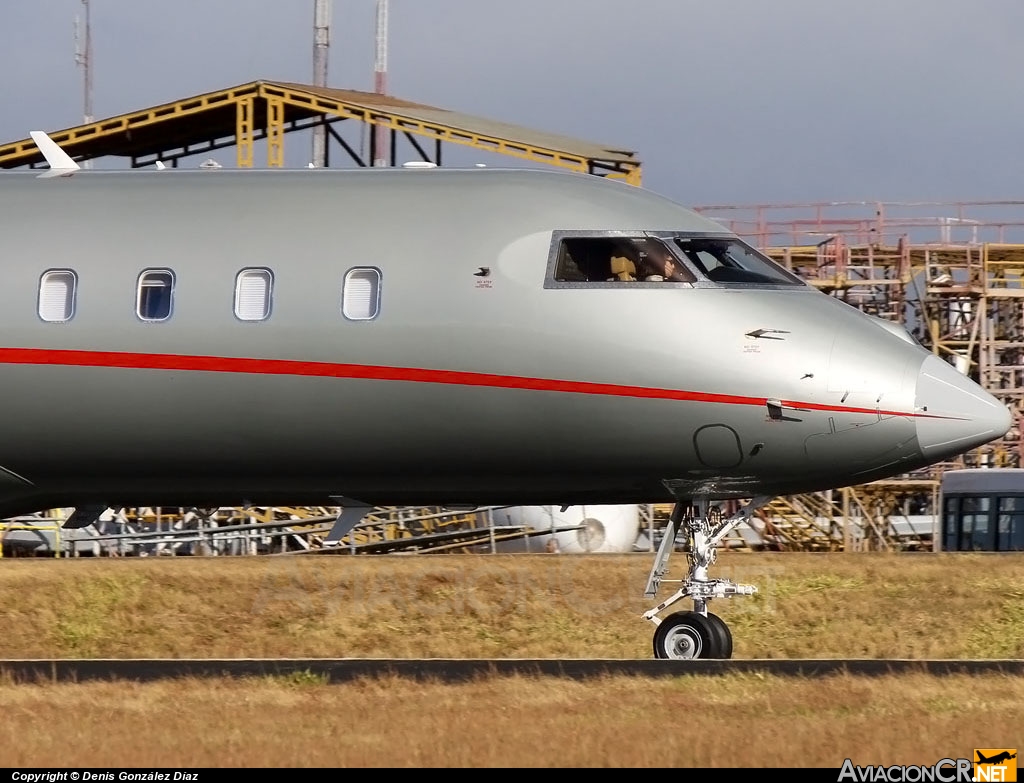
(6, 527)
(244, 131)
(1003, 269)
(275, 133)
(630, 177)
(436, 131)
(243, 98)
(26, 148)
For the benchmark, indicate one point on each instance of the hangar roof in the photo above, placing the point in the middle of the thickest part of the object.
(261, 109)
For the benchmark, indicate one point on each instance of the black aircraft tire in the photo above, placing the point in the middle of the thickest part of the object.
(725, 636)
(686, 635)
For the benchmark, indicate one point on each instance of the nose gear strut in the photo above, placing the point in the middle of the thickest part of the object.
(696, 634)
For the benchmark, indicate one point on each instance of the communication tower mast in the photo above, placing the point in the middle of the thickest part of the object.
(83, 58)
(321, 43)
(380, 79)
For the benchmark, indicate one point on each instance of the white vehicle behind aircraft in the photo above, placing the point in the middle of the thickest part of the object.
(364, 338)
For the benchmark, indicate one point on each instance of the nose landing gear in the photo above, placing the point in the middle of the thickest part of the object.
(696, 634)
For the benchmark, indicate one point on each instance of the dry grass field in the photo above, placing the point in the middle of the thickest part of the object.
(731, 721)
(473, 606)
(513, 606)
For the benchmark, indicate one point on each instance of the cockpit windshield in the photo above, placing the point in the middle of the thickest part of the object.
(727, 260)
(672, 258)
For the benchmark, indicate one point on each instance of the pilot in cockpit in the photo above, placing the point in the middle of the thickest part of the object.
(661, 266)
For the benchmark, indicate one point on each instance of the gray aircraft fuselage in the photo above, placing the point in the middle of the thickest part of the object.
(482, 379)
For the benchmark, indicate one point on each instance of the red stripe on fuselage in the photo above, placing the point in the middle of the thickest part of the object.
(169, 361)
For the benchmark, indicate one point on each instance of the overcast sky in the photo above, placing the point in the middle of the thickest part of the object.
(726, 101)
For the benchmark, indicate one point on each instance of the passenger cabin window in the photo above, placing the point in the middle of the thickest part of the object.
(252, 294)
(155, 295)
(360, 294)
(57, 290)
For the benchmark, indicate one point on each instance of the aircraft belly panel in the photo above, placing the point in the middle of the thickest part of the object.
(175, 429)
(191, 422)
(12, 482)
(172, 427)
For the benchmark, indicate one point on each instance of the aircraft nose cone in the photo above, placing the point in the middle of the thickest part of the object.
(955, 414)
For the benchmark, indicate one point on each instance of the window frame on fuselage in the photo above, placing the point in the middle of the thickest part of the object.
(71, 298)
(377, 295)
(666, 238)
(139, 286)
(267, 306)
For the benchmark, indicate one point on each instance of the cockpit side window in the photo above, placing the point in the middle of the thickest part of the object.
(617, 259)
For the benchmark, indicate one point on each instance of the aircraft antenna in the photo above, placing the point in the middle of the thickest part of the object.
(380, 79)
(321, 43)
(83, 58)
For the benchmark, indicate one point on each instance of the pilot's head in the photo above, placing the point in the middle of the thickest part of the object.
(663, 263)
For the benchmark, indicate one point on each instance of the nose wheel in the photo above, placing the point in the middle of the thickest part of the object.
(692, 635)
(696, 634)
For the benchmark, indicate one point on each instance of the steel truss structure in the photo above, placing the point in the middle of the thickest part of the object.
(251, 530)
(267, 111)
(952, 273)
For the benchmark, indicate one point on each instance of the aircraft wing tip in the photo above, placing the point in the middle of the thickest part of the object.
(58, 159)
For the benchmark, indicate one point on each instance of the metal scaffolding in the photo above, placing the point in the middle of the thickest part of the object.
(252, 530)
(952, 273)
